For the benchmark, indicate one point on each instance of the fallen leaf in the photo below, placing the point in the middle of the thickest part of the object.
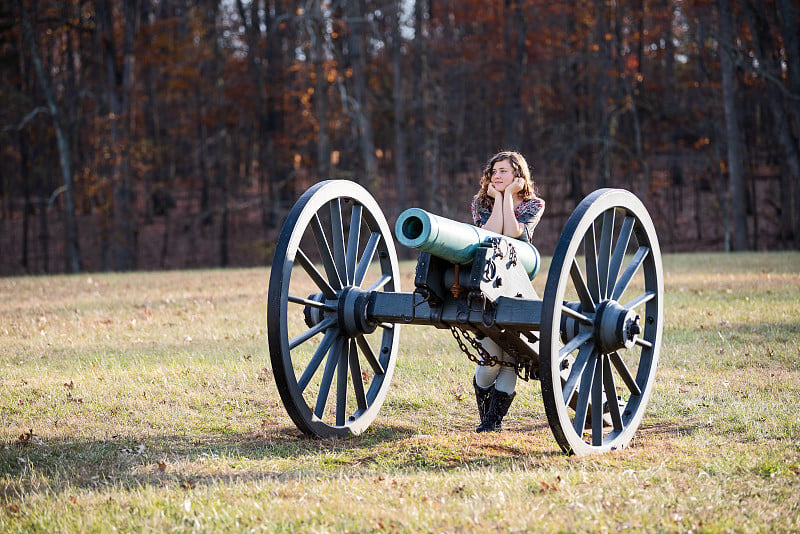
(546, 486)
(458, 391)
(26, 438)
(263, 376)
(71, 385)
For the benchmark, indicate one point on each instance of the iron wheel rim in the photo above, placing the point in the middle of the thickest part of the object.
(613, 232)
(358, 366)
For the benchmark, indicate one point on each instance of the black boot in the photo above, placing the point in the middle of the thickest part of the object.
(498, 408)
(482, 395)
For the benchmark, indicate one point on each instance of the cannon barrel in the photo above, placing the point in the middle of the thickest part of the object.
(455, 241)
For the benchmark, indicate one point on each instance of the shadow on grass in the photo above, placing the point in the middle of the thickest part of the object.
(277, 454)
(669, 429)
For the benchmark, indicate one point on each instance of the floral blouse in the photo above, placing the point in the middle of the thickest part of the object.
(528, 213)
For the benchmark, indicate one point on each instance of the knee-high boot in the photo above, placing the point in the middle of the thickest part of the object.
(499, 403)
(482, 395)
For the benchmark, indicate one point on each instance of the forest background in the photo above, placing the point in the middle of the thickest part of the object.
(147, 134)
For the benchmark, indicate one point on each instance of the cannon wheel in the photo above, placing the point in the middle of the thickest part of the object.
(602, 321)
(334, 246)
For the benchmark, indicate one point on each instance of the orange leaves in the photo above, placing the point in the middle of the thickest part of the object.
(631, 64)
(545, 486)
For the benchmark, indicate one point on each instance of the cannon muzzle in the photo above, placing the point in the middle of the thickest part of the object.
(455, 241)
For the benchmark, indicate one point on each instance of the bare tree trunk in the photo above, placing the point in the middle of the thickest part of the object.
(29, 208)
(398, 95)
(721, 191)
(359, 103)
(44, 236)
(162, 262)
(781, 115)
(791, 38)
(223, 148)
(201, 156)
(119, 81)
(732, 132)
(72, 253)
(515, 34)
(274, 157)
(604, 94)
(269, 120)
(670, 101)
(317, 34)
(421, 133)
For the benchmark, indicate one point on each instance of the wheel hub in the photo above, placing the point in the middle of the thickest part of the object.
(352, 312)
(313, 316)
(615, 327)
(570, 327)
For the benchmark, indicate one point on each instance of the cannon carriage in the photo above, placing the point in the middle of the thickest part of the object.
(335, 308)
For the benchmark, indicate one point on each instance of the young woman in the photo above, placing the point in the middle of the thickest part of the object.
(506, 204)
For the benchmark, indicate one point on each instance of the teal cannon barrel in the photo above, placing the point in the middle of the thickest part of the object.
(455, 241)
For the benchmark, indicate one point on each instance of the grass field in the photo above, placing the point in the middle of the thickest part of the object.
(145, 402)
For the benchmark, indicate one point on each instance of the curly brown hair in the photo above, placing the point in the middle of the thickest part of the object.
(521, 170)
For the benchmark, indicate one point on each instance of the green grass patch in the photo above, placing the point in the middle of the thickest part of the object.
(145, 402)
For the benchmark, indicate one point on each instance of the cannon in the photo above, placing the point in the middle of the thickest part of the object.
(335, 309)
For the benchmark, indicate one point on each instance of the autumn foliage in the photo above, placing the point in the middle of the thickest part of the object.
(143, 134)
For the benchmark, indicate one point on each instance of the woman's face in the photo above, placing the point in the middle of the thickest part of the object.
(502, 175)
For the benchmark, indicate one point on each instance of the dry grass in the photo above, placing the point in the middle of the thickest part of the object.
(145, 402)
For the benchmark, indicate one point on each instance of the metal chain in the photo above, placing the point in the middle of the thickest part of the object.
(485, 358)
(523, 369)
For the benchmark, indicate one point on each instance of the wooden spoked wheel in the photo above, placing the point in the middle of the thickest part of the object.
(602, 321)
(331, 365)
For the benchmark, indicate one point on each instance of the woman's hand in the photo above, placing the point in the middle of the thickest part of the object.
(492, 192)
(516, 186)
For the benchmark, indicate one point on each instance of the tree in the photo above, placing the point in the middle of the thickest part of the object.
(399, 106)
(732, 132)
(790, 21)
(769, 71)
(72, 253)
(119, 72)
